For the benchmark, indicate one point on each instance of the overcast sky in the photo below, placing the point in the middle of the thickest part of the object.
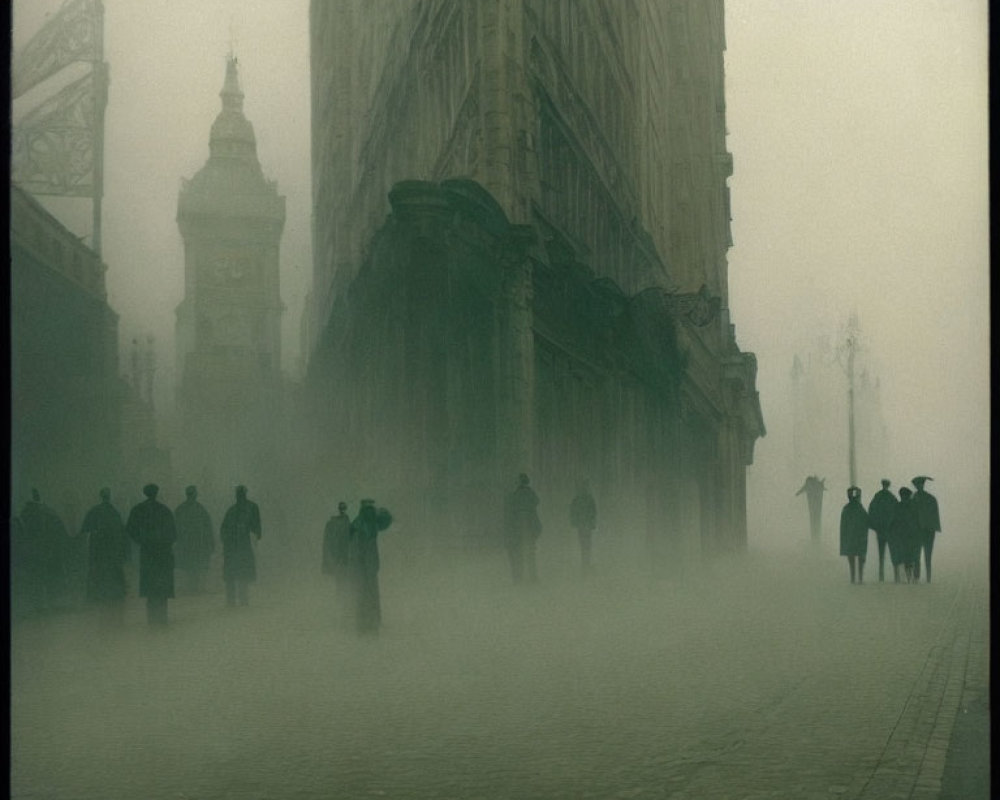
(859, 135)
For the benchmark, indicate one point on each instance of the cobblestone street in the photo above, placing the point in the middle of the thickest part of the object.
(768, 676)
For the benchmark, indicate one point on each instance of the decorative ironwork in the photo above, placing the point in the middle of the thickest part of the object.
(71, 35)
(53, 147)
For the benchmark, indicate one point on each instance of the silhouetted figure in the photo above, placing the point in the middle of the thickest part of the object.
(108, 550)
(928, 524)
(522, 527)
(337, 555)
(365, 563)
(814, 488)
(151, 526)
(583, 517)
(903, 536)
(854, 533)
(881, 510)
(239, 565)
(45, 544)
(195, 539)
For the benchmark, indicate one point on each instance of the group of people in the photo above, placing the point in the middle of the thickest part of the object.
(522, 527)
(906, 526)
(165, 539)
(350, 556)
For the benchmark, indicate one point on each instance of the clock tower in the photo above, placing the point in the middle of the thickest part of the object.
(229, 322)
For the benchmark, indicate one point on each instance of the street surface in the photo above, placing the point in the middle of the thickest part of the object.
(764, 676)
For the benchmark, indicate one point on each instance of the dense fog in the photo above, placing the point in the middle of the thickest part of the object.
(858, 133)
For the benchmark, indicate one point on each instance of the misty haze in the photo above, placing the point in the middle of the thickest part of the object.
(423, 398)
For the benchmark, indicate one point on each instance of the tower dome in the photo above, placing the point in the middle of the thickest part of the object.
(232, 134)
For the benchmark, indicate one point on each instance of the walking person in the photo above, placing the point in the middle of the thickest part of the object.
(583, 517)
(195, 540)
(854, 533)
(44, 536)
(904, 547)
(814, 488)
(522, 527)
(880, 513)
(151, 526)
(108, 550)
(365, 561)
(337, 547)
(239, 564)
(928, 522)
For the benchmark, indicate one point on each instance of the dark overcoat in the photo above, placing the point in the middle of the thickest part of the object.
(238, 560)
(583, 512)
(903, 534)
(195, 536)
(853, 529)
(521, 516)
(336, 546)
(151, 526)
(881, 510)
(925, 507)
(108, 549)
(365, 562)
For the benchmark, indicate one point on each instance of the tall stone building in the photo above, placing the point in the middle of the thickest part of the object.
(66, 394)
(229, 323)
(546, 288)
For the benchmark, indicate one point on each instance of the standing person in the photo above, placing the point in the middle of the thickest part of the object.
(814, 488)
(195, 539)
(336, 554)
(45, 540)
(239, 566)
(583, 517)
(366, 563)
(108, 549)
(903, 536)
(522, 527)
(854, 533)
(928, 520)
(880, 514)
(151, 526)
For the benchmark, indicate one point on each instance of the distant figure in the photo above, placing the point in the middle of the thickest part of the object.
(583, 517)
(45, 539)
(239, 566)
(814, 488)
(108, 549)
(903, 534)
(854, 533)
(928, 524)
(336, 555)
(195, 539)
(365, 564)
(880, 513)
(151, 526)
(522, 527)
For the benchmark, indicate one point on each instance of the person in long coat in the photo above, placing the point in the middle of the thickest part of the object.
(903, 536)
(151, 526)
(108, 550)
(239, 565)
(365, 561)
(814, 488)
(45, 538)
(195, 539)
(854, 533)
(522, 527)
(583, 517)
(928, 524)
(336, 555)
(881, 510)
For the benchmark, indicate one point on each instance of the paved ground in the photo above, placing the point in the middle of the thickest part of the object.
(768, 676)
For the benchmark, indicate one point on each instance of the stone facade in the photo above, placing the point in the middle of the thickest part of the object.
(229, 322)
(548, 290)
(66, 395)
